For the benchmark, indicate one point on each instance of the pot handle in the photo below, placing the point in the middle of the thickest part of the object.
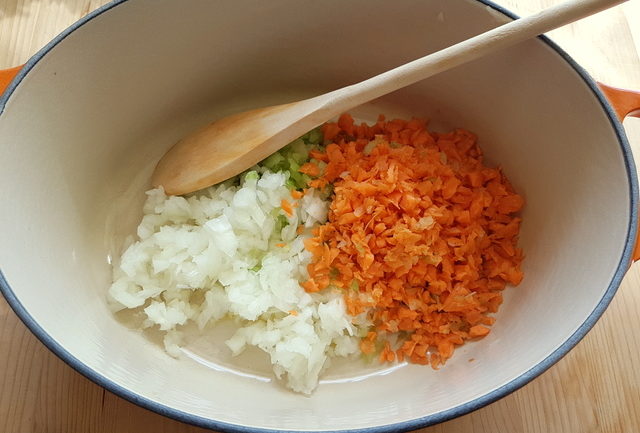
(625, 103)
(6, 76)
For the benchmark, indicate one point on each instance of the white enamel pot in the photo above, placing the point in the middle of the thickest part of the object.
(85, 120)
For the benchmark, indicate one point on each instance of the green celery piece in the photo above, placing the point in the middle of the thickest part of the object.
(273, 162)
(281, 222)
(251, 175)
(291, 184)
(314, 136)
(299, 151)
(293, 164)
(291, 157)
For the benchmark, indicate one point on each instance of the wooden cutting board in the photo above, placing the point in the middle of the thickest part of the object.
(596, 388)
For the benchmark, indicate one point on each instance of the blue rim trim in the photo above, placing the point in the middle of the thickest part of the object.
(439, 417)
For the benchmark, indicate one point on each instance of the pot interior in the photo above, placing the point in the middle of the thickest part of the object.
(82, 132)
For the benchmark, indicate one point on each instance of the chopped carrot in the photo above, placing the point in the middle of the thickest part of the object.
(281, 245)
(310, 286)
(293, 312)
(330, 130)
(367, 346)
(310, 168)
(478, 331)
(422, 235)
(296, 194)
(286, 207)
(316, 154)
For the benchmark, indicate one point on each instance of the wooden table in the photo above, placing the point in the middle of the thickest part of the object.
(596, 388)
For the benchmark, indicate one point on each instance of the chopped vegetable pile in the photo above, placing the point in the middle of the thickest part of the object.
(385, 241)
(421, 235)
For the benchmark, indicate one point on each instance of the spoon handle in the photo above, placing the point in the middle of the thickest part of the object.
(478, 46)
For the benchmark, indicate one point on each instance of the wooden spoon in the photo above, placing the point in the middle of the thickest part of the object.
(233, 144)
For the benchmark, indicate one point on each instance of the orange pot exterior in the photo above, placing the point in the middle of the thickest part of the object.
(626, 103)
(6, 76)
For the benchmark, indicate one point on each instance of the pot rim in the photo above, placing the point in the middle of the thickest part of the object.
(403, 426)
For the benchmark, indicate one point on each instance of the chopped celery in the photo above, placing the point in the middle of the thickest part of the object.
(291, 184)
(251, 175)
(291, 157)
(293, 164)
(273, 161)
(281, 222)
(299, 151)
(315, 136)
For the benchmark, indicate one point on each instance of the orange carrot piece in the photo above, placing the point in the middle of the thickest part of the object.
(330, 131)
(310, 286)
(320, 156)
(478, 331)
(310, 168)
(286, 207)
